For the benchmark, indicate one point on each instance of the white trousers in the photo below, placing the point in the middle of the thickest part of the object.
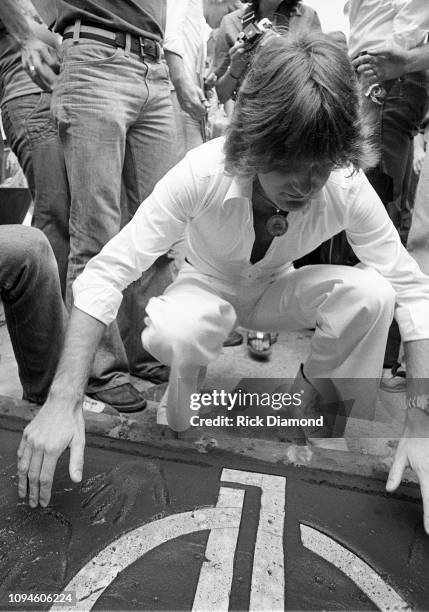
(350, 308)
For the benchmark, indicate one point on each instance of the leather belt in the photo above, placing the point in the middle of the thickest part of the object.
(143, 46)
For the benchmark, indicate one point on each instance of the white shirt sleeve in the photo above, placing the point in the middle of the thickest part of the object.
(376, 242)
(411, 22)
(159, 222)
(174, 28)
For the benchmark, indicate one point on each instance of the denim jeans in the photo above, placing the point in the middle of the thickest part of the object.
(115, 121)
(395, 122)
(30, 290)
(32, 135)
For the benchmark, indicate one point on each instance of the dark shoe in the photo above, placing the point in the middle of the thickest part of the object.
(154, 372)
(125, 398)
(234, 339)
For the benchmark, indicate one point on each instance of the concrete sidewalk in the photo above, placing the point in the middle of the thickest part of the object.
(371, 444)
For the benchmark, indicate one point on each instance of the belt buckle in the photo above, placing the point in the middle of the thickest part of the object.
(141, 43)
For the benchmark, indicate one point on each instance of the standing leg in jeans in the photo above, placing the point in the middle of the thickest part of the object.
(32, 135)
(395, 122)
(31, 295)
(101, 97)
(152, 132)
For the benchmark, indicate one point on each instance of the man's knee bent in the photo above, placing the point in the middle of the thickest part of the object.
(25, 245)
(193, 337)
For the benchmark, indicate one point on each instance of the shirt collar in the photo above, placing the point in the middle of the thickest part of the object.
(240, 188)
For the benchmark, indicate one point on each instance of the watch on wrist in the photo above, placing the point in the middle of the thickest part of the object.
(419, 401)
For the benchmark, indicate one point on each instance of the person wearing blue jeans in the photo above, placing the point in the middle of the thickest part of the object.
(31, 295)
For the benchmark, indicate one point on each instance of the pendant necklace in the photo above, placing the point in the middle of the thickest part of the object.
(276, 224)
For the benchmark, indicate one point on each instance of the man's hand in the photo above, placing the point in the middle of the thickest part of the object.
(239, 59)
(191, 99)
(384, 64)
(41, 62)
(413, 451)
(114, 494)
(59, 423)
(54, 429)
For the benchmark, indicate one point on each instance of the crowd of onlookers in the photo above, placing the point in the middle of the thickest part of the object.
(93, 134)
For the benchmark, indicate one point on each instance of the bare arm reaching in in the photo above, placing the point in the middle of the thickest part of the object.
(59, 423)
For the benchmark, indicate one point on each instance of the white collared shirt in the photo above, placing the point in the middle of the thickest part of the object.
(376, 23)
(213, 210)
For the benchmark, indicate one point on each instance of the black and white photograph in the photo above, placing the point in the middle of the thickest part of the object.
(214, 305)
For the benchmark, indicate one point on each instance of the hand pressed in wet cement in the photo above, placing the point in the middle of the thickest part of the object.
(112, 495)
(33, 544)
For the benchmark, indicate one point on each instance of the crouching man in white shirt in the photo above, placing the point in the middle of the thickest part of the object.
(286, 178)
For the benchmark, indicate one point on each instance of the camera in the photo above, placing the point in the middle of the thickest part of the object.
(253, 32)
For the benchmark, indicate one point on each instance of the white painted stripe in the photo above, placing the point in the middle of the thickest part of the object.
(374, 587)
(215, 580)
(268, 580)
(253, 479)
(91, 581)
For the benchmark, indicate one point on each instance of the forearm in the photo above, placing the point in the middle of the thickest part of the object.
(82, 338)
(417, 359)
(225, 86)
(191, 97)
(175, 67)
(417, 59)
(17, 16)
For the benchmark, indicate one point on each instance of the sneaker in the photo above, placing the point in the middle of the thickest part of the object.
(125, 398)
(393, 379)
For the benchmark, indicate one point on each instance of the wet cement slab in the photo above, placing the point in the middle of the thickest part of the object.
(163, 530)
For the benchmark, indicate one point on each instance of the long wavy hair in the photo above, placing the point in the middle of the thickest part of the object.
(300, 102)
